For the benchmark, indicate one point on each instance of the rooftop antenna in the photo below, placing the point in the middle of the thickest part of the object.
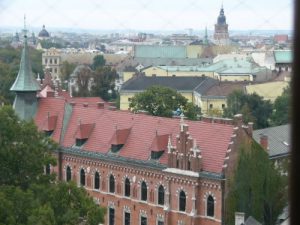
(25, 30)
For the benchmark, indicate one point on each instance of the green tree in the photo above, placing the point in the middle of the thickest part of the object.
(281, 108)
(104, 83)
(29, 196)
(162, 101)
(98, 61)
(253, 108)
(256, 188)
(66, 70)
(83, 81)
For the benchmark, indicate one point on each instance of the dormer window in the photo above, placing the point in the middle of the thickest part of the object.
(83, 133)
(158, 146)
(119, 139)
(49, 124)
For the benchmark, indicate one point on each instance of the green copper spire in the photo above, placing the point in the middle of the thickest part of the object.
(25, 80)
(25, 86)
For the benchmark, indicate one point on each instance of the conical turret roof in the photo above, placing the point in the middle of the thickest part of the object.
(25, 80)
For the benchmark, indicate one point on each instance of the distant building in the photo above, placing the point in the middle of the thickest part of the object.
(283, 60)
(51, 59)
(221, 35)
(44, 34)
(281, 38)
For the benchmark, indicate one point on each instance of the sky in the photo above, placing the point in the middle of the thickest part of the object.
(147, 14)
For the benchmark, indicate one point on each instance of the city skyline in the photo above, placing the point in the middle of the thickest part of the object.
(147, 15)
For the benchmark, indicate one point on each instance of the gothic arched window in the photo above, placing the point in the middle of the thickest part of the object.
(182, 201)
(97, 181)
(210, 206)
(68, 174)
(82, 177)
(161, 195)
(111, 184)
(144, 191)
(127, 187)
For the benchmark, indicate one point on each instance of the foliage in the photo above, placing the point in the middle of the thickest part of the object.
(98, 61)
(50, 44)
(29, 196)
(253, 108)
(281, 108)
(257, 188)
(84, 77)
(162, 101)
(9, 67)
(104, 83)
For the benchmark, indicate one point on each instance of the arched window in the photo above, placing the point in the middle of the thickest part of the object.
(111, 184)
(68, 174)
(97, 181)
(210, 206)
(144, 191)
(182, 201)
(161, 195)
(127, 187)
(82, 177)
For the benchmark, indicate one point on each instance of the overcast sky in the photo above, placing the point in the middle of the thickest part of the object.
(147, 14)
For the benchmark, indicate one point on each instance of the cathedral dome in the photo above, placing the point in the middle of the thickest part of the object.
(44, 33)
(221, 17)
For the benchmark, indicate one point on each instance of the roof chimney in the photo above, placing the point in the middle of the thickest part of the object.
(100, 105)
(264, 141)
(85, 104)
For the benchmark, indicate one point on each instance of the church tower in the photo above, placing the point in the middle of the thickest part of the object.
(221, 34)
(25, 86)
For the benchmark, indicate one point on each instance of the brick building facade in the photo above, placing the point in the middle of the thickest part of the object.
(145, 170)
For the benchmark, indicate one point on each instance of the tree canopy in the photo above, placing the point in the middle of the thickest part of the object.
(98, 61)
(28, 195)
(163, 101)
(253, 108)
(257, 188)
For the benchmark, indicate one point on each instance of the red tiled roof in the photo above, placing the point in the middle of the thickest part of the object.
(120, 136)
(84, 130)
(45, 92)
(50, 106)
(50, 123)
(212, 138)
(160, 143)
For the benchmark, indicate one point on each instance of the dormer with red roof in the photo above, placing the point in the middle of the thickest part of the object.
(186, 155)
(159, 145)
(119, 139)
(83, 132)
(49, 124)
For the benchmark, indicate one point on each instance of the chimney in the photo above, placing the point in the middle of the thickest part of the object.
(264, 142)
(112, 108)
(100, 105)
(72, 103)
(85, 104)
(239, 218)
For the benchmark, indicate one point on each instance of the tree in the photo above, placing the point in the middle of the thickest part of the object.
(84, 77)
(66, 70)
(256, 188)
(253, 108)
(281, 108)
(162, 101)
(98, 61)
(29, 196)
(104, 83)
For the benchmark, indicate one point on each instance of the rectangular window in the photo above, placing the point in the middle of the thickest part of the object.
(223, 106)
(143, 220)
(111, 216)
(160, 222)
(55, 61)
(127, 218)
(210, 106)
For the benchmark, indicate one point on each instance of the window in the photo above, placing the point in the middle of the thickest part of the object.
(80, 142)
(143, 220)
(127, 218)
(46, 61)
(55, 70)
(111, 184)
(68, 174)
(50, 61)
(182, 201)
(189, 165)
(223, 106)
(144, 191)
(82, 177)
(161, 195)
(48, 169)
(111, 216)
(210, 106)
(55, 61)
(127, 187)
(210, 206)
(160, 222)
(97, 181)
